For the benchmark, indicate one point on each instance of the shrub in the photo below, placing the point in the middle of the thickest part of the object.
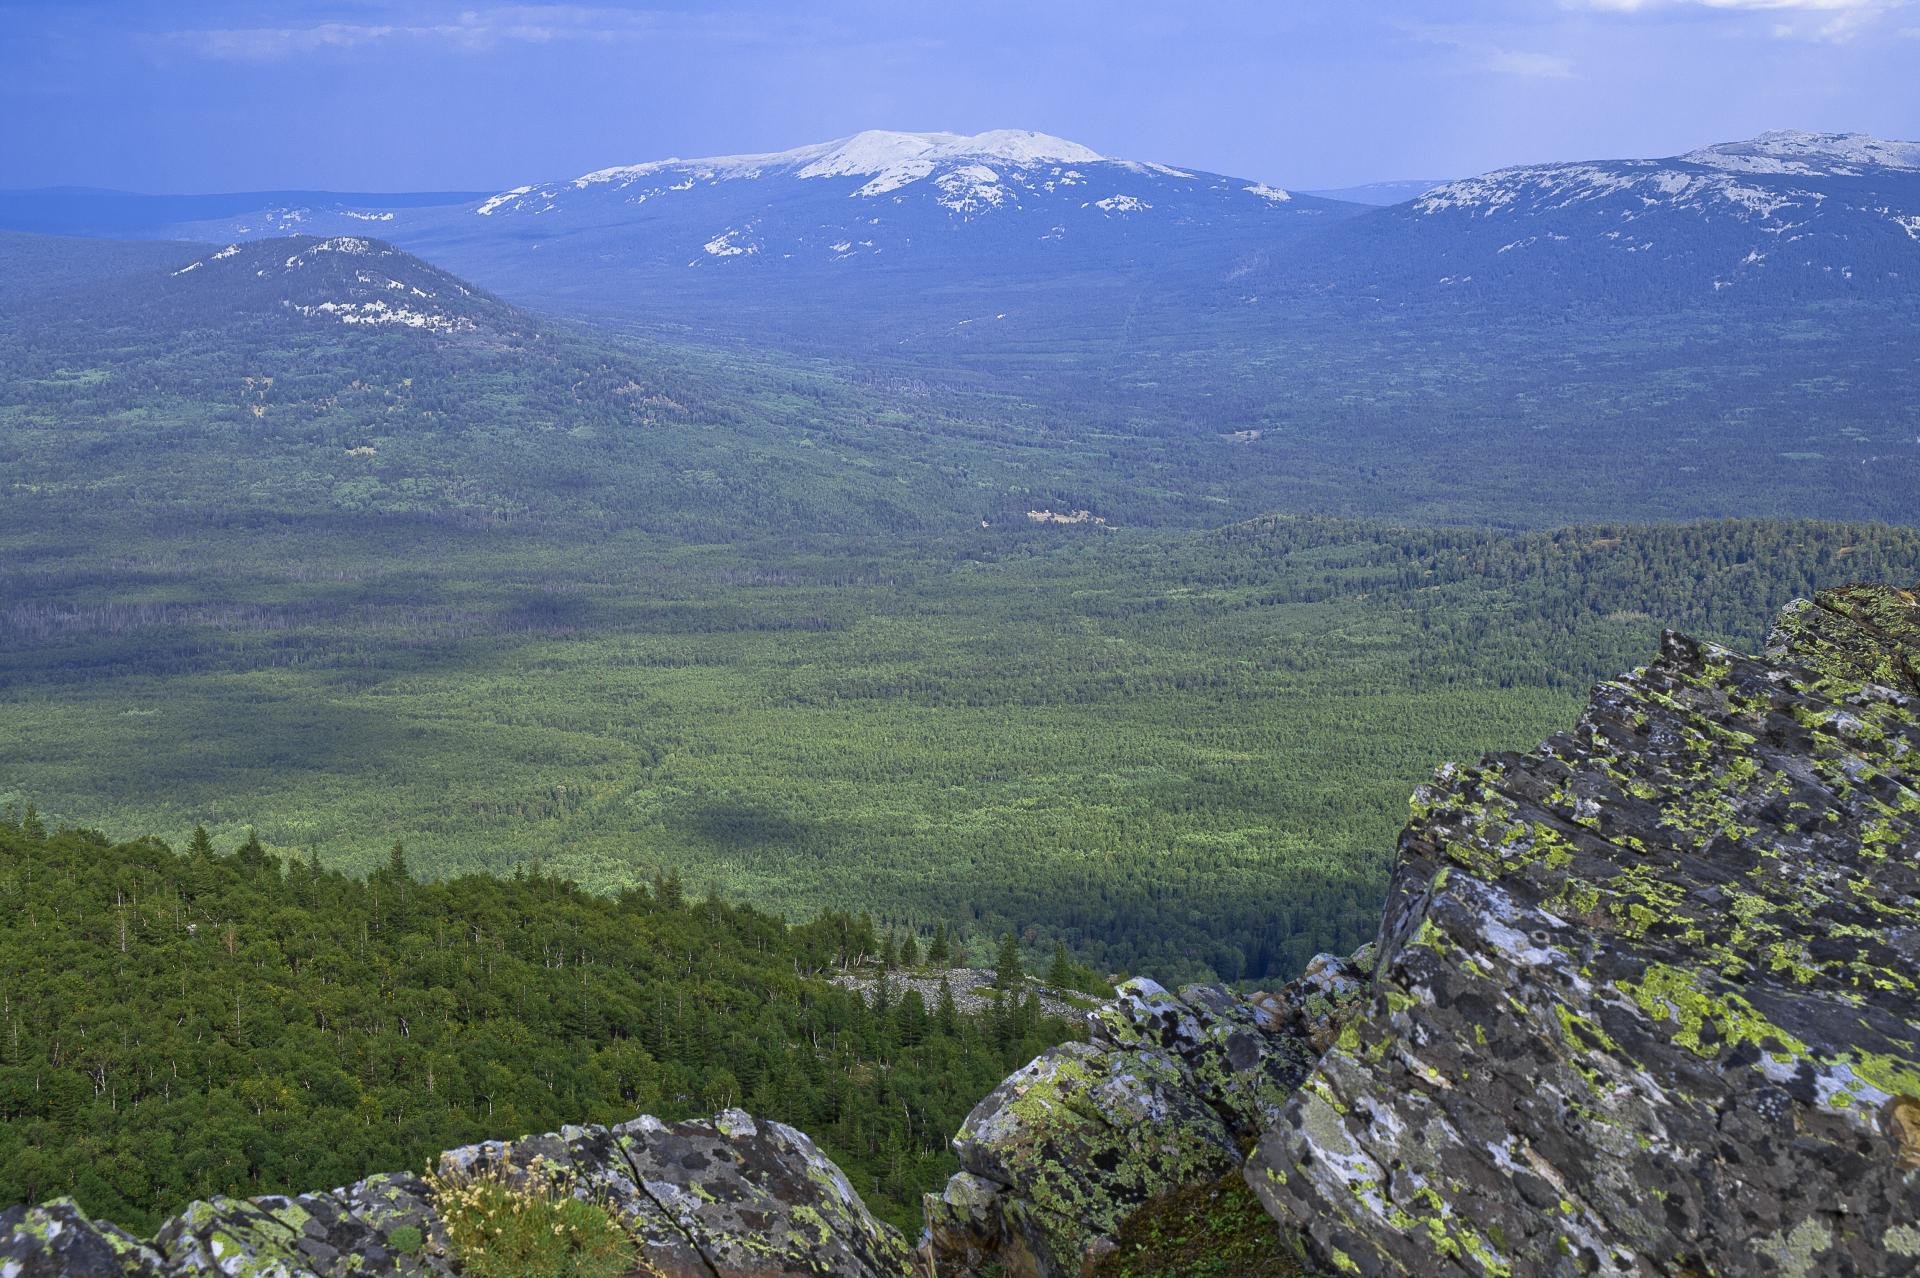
(530, 1226)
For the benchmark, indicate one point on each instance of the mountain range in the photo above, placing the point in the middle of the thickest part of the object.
(1582, 337)
(891, 238)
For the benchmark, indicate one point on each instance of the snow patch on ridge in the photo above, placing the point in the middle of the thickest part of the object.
(887, 160)
(1796, 152)
(1555, 187)
(380, 313)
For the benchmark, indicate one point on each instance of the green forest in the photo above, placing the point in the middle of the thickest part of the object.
(175, 1025)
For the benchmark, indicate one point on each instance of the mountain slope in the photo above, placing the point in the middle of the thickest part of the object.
(70, 210)
(344, 379)
(34, 268)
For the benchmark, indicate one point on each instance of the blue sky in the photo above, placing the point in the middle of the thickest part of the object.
(415, 94)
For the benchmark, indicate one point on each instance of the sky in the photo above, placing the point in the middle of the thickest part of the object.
(393, 95)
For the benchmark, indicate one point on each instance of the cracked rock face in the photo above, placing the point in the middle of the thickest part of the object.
(1646, 999)
(1165, 1094)
(728, 1198)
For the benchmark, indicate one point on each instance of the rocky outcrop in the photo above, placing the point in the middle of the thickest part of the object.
(1167, 1092)
(729, 1198)
(974, 989)
(1646, 997)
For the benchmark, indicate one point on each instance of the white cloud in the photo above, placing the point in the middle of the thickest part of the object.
(1637, 6)
(1542, 66)
(473, 30)
(1836, 21)
(1478, 53)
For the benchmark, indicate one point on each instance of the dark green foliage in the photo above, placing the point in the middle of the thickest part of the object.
(181, 1026)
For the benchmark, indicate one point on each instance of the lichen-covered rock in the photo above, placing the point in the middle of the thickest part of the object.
(59, 1240)
(1166, 1094)
(317, 1234)
(759, 1198)
(727, 1198)
(1646, 998)
(1081, 1137)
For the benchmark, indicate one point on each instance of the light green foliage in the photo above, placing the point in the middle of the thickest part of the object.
(530, 1229)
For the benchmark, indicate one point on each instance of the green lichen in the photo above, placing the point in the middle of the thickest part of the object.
(1667, 993)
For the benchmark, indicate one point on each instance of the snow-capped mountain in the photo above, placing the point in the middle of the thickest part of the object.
(1841, 207)
(876, 191)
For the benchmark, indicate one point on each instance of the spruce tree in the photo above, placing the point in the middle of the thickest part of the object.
(910, 952)
(253, 854)
(1007, 972)
(946, 1015)
(1061, 974)
(940, 953)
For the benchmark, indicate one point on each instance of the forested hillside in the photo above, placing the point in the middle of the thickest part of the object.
(179, 1025)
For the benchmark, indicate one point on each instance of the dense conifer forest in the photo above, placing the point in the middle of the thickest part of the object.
(180, 1024)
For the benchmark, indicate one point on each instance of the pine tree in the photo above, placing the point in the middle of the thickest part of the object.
(200, 845)
(1026, 1018)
